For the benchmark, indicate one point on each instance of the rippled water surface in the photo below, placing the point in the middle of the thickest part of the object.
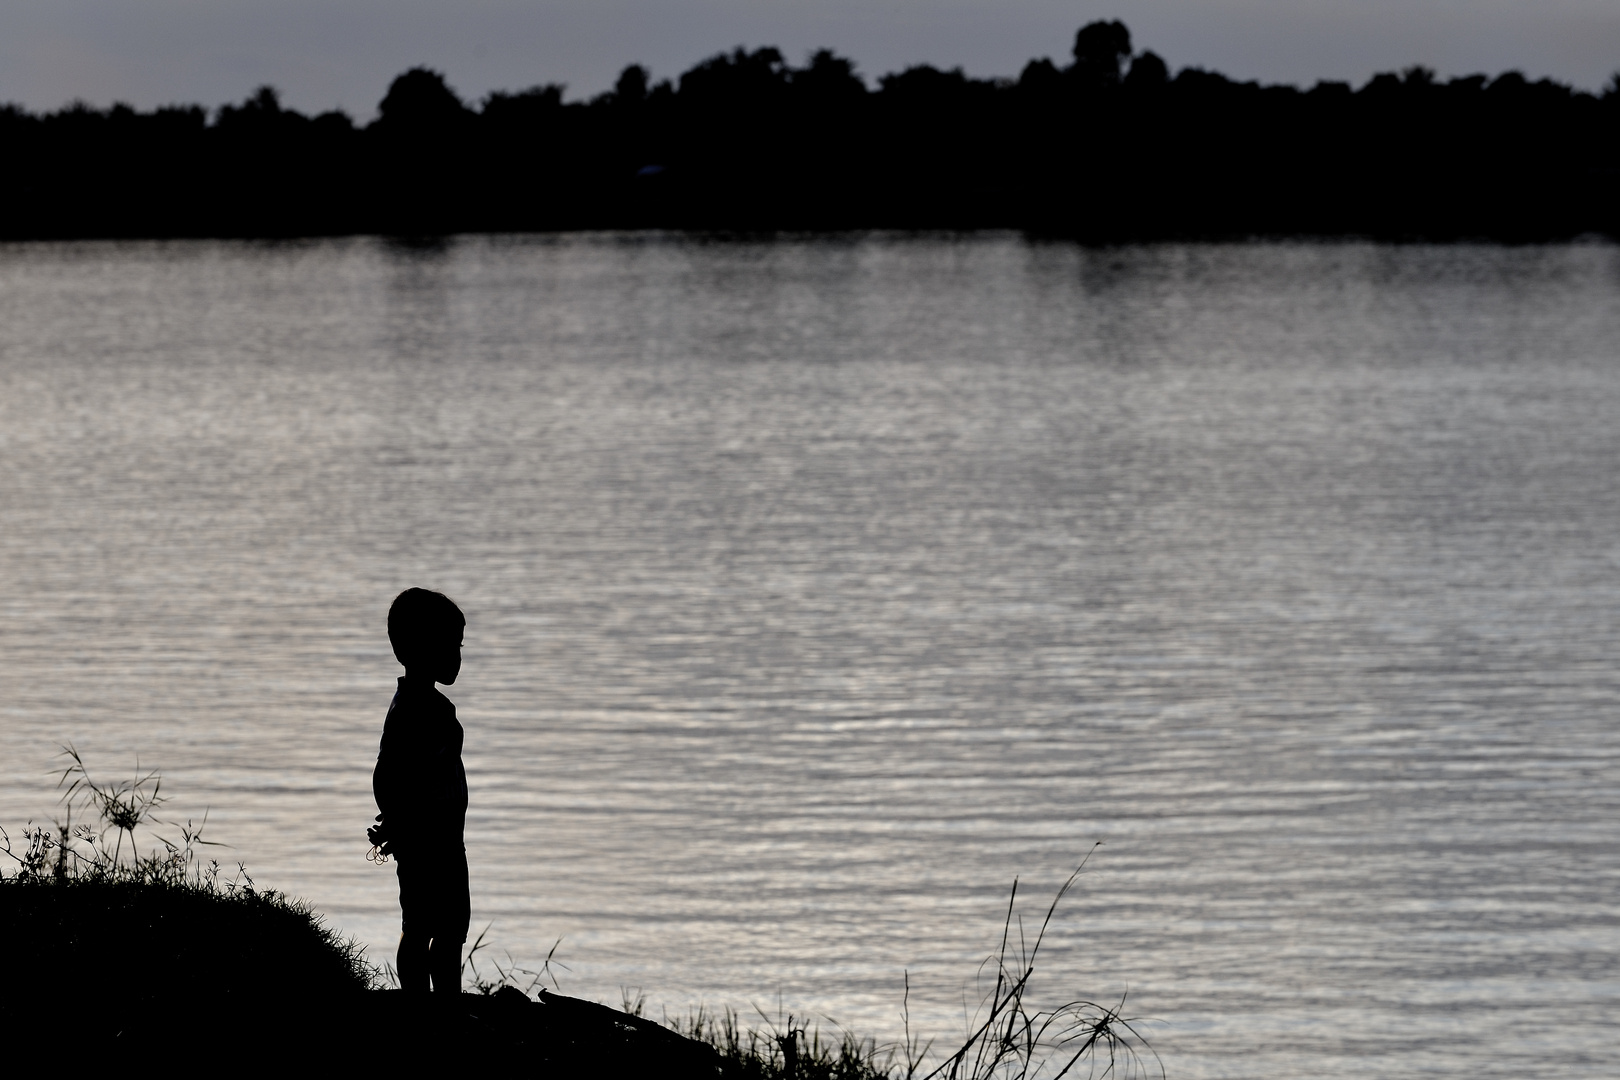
(817, 589)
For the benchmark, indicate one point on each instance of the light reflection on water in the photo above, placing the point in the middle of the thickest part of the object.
(817, 589)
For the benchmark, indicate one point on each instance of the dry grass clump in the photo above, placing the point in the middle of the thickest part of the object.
(790, 1050)
(1009, 1037)
(1014, 1040)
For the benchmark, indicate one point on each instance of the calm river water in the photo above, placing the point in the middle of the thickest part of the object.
(817, 589)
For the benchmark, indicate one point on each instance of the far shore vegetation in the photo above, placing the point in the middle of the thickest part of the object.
(110, 949)
(1106, 142)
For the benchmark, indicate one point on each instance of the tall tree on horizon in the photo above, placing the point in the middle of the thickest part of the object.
(1100, 51)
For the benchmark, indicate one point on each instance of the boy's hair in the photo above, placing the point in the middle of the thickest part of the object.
(421, 617)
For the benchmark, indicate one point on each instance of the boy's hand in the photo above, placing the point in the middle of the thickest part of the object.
(378, 835)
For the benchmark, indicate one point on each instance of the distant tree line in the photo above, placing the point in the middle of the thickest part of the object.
(1109, 146)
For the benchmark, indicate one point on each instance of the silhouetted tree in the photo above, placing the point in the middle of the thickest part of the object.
(829, 80)
(1100, 51)
(631, 88)
(420, 101)
(1148, 72)
(737, 81)
(265, 104)
(419, 181)
(524, 108)
(1040, 77)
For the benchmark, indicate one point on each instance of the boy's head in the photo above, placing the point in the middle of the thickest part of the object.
(425, 630)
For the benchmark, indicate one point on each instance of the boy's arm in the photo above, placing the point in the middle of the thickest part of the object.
(393, 780)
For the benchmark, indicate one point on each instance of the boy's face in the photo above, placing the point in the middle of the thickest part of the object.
(442, 659)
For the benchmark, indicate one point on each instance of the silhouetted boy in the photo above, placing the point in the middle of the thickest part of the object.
(421, 789)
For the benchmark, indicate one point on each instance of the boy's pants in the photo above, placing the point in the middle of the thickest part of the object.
(435, 899)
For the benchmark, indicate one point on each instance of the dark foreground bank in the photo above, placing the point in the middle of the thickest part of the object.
(1105, 144)
(131, 963)
(143, 961)
(126, 967)
(555, 1036)
(136, 960)
(127, 960)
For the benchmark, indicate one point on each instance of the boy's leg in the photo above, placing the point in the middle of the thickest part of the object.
(444, 961)
(414, 960)
(415, 909)
(455, 913)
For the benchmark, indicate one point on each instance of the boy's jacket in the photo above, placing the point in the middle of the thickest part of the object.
(419, 782)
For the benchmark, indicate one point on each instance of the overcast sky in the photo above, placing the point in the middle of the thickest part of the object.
(326, 54)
